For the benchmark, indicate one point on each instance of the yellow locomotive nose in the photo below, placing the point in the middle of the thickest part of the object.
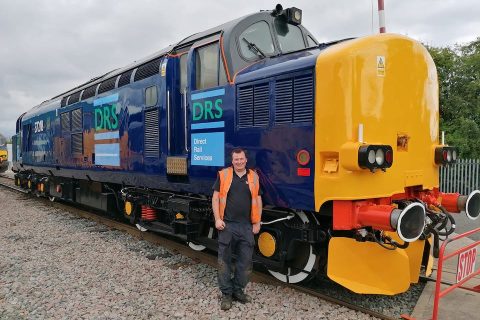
(379, 122)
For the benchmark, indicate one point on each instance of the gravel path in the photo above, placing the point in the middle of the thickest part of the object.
(54, 265)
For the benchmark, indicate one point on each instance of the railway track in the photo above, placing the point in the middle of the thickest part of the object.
(175, 246)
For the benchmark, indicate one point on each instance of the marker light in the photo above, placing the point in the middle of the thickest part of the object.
(389, 156)
(445, 155)
(371, 156)
(375, 157)
(379, 157)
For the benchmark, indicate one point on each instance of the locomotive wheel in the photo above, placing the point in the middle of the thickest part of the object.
(301, 261)
(199, 247)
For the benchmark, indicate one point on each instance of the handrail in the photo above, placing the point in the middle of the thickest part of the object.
(168, 122)
(185, 118)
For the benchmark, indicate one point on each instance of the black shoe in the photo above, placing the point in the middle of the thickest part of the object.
(242, 297)
(226, 302)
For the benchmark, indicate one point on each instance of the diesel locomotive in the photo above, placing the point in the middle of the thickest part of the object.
(3, 154)
(343, 135)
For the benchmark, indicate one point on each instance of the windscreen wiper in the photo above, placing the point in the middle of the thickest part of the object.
(253, 47)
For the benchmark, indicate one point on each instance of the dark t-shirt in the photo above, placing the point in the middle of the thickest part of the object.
(239, 199)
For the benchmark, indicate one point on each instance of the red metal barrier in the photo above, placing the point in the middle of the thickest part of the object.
(465, 268)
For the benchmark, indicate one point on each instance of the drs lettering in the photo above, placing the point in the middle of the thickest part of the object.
(106, 118)
(38, 126)
(466, 264)
(207, 110)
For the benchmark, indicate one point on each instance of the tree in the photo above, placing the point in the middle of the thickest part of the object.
(459, 81)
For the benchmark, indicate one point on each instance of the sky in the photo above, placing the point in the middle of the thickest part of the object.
(50, 46)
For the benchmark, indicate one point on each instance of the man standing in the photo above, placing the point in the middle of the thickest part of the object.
(237, 207)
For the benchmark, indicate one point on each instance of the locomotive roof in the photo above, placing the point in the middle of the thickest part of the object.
(190, 39)
(227, 30)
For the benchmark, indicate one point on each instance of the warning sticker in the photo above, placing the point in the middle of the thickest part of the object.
(381, 66)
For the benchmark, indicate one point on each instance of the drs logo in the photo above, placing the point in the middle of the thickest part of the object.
(466, 264)
(38, 126)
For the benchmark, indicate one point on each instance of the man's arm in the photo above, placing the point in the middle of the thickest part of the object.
(256, 226)
(219, 224)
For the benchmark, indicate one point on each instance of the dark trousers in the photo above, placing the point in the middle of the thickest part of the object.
(237, 239)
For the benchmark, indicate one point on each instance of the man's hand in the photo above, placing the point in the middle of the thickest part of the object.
(256, 227)
(219, 224)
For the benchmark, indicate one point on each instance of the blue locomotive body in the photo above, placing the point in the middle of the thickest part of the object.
(126, 135)
(146, 141)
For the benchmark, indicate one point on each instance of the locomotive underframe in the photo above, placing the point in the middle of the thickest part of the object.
(187, 217)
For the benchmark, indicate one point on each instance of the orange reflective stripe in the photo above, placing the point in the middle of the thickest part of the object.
(226, 178)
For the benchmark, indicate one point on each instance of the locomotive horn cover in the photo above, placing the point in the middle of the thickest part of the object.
(409, 222)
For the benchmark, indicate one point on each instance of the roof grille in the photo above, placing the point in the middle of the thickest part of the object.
(63, 103)
(253, 105)
(294, 100)
(107, 85)
(89, 92)
(147, 70)
(152, 141)
(75, 97)
(125, 78)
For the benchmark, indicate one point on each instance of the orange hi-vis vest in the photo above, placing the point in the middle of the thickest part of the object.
(226, 178)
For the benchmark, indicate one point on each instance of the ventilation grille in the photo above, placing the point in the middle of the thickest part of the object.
(65, 122)
(147, 70)
(283, 101)
(107, 85)
(74, 98)
(294, 100)
(124, 78)
(77, 143)
(152, 147)
(303, 99)
(253, 105)
(89, 92)
(63, 103)
(77, 120)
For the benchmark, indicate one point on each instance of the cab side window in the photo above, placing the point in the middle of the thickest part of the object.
(311, 42)
(210, 71)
